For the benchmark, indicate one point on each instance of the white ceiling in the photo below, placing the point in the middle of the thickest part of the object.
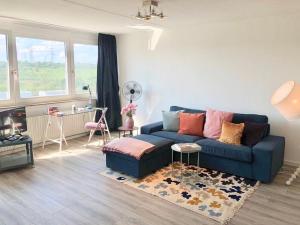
(114, 16)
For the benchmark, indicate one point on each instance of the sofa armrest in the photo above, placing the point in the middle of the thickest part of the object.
(153, 127)
(268, 158)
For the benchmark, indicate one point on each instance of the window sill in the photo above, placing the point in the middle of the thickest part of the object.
(37, 102)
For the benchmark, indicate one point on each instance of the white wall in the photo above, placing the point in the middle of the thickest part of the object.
(233, 66)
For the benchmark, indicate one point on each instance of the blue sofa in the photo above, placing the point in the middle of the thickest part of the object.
(261, 162)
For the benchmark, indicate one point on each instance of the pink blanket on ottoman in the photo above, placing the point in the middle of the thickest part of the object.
(129, 146)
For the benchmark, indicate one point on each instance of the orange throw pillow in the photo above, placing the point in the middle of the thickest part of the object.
(191, 123)
(232, 133)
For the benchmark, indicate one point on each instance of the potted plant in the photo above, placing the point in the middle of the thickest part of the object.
(129, 110)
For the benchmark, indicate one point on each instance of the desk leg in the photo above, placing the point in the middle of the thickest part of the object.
(61, 133)
(46, 131)
(64, 137)
(61, 129)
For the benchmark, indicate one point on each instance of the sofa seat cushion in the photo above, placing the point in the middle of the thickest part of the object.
(178, 138)
(157, 141)
(235, 152)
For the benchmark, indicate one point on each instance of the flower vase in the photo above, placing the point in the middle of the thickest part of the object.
(129, 123)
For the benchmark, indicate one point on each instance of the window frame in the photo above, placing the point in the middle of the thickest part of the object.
(81, 95)
(10, 75)
(69, 38)
(40, 99)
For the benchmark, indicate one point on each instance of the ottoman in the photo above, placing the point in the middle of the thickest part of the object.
(150, 162)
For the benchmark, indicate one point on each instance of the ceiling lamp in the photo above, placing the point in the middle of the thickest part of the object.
(150, 10)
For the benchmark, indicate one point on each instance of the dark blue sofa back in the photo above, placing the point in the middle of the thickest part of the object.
(237, 117)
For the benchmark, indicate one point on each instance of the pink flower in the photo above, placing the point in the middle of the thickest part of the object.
(129, 109)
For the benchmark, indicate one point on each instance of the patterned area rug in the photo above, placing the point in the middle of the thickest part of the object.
(210, 193)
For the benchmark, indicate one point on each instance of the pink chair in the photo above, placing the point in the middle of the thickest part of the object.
(101, 126)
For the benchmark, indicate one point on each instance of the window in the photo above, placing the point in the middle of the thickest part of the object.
(4, 71)
(85, 60)
(41, 67)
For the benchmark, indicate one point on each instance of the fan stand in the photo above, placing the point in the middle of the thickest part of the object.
(130, 101)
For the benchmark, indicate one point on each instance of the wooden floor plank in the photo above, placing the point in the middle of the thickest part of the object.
(66, 188)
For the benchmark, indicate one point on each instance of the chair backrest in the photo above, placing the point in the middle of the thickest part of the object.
(102, 117)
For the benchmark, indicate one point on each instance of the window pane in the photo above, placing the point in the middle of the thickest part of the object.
(85, 60)
(4, 84)
(42, 67)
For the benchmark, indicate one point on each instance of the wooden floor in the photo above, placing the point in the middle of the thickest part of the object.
(66, 188)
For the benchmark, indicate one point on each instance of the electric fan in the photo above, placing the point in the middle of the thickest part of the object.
(132, 91)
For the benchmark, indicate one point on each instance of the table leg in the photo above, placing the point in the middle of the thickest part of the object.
(172, 163)
(181, 167)
(61, 127)
(27, 151)
(64, 137)
(119, 134)
(198, 160)
(46, 131)
(31, 153)
(188, 159)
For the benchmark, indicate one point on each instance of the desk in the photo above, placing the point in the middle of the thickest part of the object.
(58, 120)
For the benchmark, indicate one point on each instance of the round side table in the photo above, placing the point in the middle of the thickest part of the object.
(185, 148)
(124, 130)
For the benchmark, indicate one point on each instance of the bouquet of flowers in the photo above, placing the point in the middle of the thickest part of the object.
(129, 110)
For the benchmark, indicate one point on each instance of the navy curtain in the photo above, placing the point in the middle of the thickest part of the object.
(107, 80)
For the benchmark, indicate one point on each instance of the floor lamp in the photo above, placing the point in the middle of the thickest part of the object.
(286, 100)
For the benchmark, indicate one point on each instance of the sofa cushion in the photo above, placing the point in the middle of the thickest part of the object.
(232, 133)
(178, 138)
(253, 133)
(214, 121)
(216, 148)
(191, 123)
(157, 141)
(171, 120)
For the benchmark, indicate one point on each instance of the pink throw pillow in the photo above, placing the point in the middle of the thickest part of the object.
(214, 121)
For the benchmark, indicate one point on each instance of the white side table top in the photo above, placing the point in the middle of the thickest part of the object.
(186, 147)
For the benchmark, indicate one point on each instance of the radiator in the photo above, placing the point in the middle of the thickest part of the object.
(36, 126)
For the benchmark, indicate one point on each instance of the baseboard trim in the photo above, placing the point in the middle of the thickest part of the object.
(291, 163)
